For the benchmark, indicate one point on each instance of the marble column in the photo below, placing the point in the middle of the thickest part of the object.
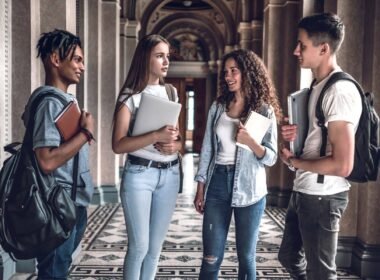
(128, 42)
(7, 266)
(89, 88)
(21, 64)
(280, 35)
(245, 35)
(359, 56)
(5, 79)
(109, 87)
(251, 36)
(257, 37)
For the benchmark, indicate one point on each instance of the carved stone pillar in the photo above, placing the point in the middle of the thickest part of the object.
(257, 37)
(359, 55)
(21, 64)
(279, 41)
(109, 87)
(128, 42)
(88, 91)
(7, 266)
(245, 35)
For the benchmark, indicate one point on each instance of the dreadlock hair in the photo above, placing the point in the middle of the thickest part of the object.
(256, 85)
(61, 40)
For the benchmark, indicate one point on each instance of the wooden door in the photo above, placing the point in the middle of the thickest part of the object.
(200, 113)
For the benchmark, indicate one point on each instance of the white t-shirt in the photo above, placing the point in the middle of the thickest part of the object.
(133, 103)
(342, 102)
(226, 131)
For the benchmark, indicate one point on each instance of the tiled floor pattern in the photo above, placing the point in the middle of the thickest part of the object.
(105, 243)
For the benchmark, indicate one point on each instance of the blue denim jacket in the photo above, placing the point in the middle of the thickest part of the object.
(250, 177)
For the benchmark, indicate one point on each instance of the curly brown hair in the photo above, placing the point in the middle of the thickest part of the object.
(257, 86)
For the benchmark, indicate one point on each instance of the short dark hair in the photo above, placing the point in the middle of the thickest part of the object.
(324, 28)
(60, 40)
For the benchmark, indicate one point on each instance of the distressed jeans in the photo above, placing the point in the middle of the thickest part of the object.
(309, 244)
(148, 196)
(216, 222)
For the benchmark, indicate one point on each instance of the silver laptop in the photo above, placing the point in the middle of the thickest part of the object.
(298, 114)
(155, 112)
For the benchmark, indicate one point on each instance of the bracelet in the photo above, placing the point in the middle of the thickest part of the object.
(291, 166)
(87, 133)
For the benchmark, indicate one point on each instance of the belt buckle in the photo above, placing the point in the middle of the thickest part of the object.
(159, 165)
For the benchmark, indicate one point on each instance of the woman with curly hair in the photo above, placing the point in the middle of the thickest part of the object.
(232, 179)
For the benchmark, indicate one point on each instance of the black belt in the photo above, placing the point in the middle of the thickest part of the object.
(151, 163)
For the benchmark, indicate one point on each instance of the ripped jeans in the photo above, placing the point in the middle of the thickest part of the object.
(216, 222)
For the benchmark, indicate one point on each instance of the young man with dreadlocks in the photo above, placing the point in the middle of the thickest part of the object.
(62, 57)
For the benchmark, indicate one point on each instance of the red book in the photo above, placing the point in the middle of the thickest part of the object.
(68, 121)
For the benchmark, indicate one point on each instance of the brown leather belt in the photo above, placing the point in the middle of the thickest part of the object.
(151, 163)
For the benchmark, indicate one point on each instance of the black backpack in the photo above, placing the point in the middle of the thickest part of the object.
(367, 151)
(36, 214)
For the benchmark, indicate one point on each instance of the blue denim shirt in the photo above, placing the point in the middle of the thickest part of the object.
(250, 177)
(46, 134)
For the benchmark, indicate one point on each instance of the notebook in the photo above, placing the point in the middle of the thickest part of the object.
(155, 112)
(257, 125)
(298, 114)
(68, 121)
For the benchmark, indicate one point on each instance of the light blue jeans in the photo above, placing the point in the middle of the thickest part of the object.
(148, 196)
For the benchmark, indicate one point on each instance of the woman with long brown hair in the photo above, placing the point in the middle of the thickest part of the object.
(232, 179)
(150, 179)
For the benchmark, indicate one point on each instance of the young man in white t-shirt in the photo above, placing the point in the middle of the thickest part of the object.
(310, 238)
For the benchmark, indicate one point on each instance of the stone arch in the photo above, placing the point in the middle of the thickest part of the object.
(197, 25)
(208, 43)
(230, 36)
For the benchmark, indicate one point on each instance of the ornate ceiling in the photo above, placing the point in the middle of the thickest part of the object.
(199, 30)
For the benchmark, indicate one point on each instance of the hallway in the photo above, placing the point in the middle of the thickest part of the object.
(105, 243)
(200, 32)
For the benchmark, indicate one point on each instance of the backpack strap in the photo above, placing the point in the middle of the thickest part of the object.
(170, 91)
(29, 133)
(319, 112)
(171, 94)
(33, 109)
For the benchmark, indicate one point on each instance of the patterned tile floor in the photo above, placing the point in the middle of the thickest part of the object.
(105, 243)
